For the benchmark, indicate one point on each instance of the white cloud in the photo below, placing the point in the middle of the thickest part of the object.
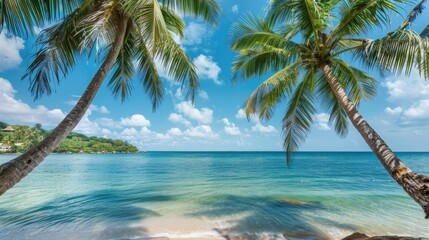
(207, 68)
(175, 132)
(322, 121)
(9, 51)
(178, 118)
(258, 127)
(92, 107)
(420, 110)
(195, 33)
(12, 109)
(203, 115)
(407, 88)
(393, 111)
(137, 120)
(179, 94)
(230, 128)
(263, 129)
(203, 94)
(202, 131)
(234, 9)
(241, 114)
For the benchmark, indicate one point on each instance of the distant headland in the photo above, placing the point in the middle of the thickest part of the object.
(18, 138)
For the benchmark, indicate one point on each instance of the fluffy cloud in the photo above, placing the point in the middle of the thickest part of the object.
(92, 107)
(263, 129)
(322, 121)
(203, 94)
(411, 97)
(407, 88)
(393, 111)
(207, 68)
(195, 33)
(258, 127)
(12, 109)
(230, 128)
(202, 131)
(241, 114)
(137, 120)
(420, 110)
(234, 9)
(9, 51)
(178, 118)
(203, 115)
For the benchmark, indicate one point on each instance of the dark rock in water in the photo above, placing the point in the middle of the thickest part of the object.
(356, 236)
(293, 201)
(361, 236)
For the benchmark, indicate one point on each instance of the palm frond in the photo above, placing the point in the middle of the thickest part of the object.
(120, 82)
(358, 84)
(418, 9)
(270, 92)
(311, 15)
(361, 16)
(425, 32)
(206, 9)
(337, 115)
(399, 51)
(299, 115)
(148, 74)
(59, 44)
(178, 65)
(20, 17)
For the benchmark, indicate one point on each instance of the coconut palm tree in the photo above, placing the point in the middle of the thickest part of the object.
(127, 36)
(306, 45)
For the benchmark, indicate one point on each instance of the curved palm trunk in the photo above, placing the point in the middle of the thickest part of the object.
(13, 171)
(416, 185)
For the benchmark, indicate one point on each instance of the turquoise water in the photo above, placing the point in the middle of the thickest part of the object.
(185, 195)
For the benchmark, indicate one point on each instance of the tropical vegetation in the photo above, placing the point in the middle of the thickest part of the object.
(25, 137)
(308, 47)
(128, 37)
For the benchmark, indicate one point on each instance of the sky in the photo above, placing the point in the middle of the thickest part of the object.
(216, 122)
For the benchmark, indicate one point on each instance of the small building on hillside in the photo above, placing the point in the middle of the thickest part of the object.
(8, 129)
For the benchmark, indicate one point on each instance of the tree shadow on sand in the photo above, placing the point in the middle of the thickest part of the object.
(255, 215)
(105, 214)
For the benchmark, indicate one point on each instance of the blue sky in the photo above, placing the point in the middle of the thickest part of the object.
(400, 112)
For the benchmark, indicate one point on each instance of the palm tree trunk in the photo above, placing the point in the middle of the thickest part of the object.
(416, 185)
(13, 171)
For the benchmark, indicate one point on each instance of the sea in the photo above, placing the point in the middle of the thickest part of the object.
(211, 195)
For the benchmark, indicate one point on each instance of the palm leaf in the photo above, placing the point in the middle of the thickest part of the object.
(20, 17)
(207, 9)
(399, 51)
(270, 92)
(299, 115)
(120, 82)
(361, 16)
(148, 73)
(418, 9)
(178, 65)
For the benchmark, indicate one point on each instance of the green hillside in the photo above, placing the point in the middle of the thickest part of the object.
(24, 137)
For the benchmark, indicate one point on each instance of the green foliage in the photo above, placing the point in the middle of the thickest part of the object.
(25, 137)
(87, 25)
(297, 38)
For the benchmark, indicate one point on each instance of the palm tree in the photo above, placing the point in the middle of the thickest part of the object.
(307, 45)
(418, 9)
(128, 31)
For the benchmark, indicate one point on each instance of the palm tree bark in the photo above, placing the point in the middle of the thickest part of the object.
(416, 185)
(13, 171)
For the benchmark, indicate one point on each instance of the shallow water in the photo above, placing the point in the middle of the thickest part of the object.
(192, 195)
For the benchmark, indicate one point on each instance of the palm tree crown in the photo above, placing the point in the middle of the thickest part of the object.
(88, 28)
(297, 38)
